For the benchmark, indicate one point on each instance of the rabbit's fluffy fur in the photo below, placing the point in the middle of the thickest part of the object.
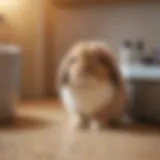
(91, 85)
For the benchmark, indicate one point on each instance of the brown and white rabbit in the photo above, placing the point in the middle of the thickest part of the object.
(91, 85)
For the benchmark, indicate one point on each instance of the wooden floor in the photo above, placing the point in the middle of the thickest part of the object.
(40, 132)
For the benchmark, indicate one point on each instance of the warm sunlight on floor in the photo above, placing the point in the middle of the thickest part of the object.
(39, 132)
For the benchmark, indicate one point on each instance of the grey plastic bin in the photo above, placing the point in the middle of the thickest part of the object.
(9, 79)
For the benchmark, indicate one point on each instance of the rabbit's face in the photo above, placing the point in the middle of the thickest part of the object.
(87, 64)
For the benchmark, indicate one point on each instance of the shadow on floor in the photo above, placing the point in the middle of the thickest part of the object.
(137, 128)
(24, 123)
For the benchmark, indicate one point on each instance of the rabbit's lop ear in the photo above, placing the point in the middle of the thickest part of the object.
(109, 62)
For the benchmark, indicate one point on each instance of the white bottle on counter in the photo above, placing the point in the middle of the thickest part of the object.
(126, 54)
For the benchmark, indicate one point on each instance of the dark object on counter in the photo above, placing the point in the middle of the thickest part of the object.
(156, 55)
(127, 44)
(140, 51)
(148, 60)
(141, 46)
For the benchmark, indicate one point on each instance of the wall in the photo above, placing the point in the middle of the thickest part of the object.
(48, 47)
(110, 23)
(24, 20)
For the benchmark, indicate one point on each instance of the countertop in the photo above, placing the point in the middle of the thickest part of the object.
(141, 72)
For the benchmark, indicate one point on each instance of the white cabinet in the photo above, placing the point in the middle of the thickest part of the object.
(143, 84)
(9, 79)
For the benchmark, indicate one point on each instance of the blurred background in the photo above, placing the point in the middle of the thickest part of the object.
(34, 36)
(44, 32)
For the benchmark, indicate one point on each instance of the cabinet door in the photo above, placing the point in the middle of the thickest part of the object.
(146, 100)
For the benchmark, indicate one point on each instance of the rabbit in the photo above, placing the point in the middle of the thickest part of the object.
(90, 85)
